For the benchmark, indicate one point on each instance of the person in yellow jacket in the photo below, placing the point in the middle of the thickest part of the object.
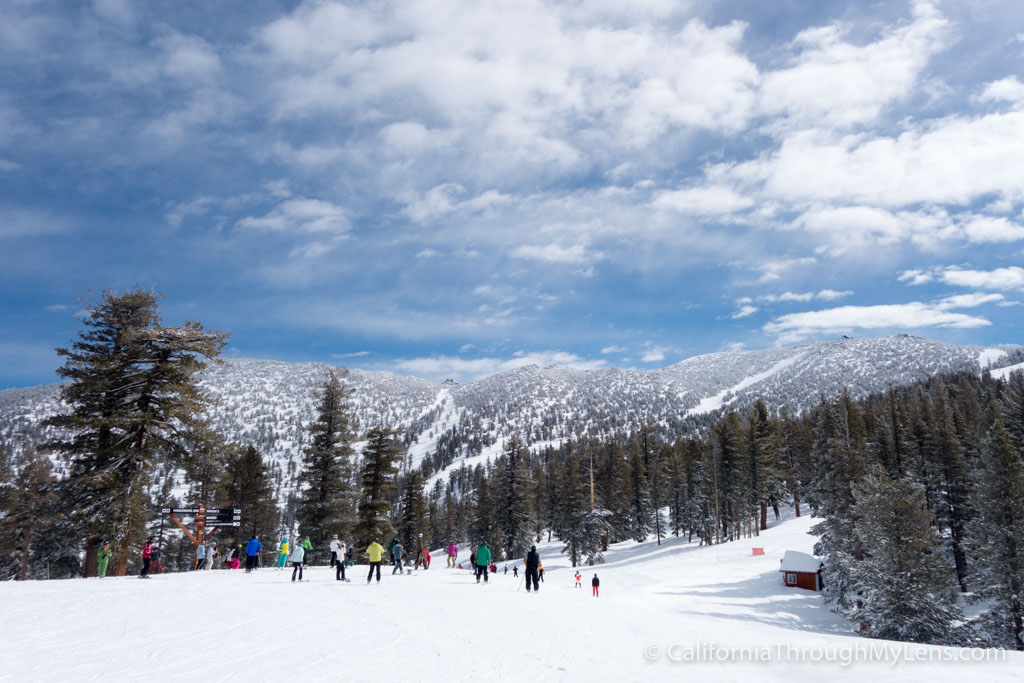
(375, 552)
(282, 557)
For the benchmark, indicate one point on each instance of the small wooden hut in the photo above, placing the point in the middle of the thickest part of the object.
(801, 570)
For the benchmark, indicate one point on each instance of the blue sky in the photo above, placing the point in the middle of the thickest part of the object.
(451, 188)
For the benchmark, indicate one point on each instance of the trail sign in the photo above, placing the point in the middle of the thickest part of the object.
(224, 524)
(180, 511)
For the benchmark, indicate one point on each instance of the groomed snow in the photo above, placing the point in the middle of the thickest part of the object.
(659, 605)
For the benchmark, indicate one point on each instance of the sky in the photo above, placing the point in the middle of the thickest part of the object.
(450, 188)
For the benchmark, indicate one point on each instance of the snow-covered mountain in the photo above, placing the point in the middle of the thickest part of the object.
(269, 404)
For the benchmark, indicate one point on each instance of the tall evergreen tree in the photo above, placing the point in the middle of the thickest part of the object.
(414, 524)
(132, 394)
(514, 489)
(641, 508)
(246, 485)
(996, 536)
(381, 456)
(326, 505)
(903, 582)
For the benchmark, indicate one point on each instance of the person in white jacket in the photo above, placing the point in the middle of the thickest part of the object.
(211, 554)
(338, 558)
(297, 556)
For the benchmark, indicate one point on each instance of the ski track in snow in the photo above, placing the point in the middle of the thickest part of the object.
(440, 625)
(715, 402)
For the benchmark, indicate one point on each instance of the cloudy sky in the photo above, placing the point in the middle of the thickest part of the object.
(453, 187)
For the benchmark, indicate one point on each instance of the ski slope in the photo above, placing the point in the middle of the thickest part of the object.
(658, 605)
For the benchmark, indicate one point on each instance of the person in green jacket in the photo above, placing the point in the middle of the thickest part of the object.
(308, 547)
(483, 560)
(103, 556)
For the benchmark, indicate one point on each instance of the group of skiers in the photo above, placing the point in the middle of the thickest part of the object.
(298, 554)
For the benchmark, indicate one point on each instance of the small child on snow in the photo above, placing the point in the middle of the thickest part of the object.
(578, 577)
(595, 583)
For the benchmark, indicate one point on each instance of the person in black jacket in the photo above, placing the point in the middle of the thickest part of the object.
(532, 563)
(595, 582)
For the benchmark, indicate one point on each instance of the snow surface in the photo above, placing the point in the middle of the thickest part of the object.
(990, 357)
(796, 561)
(1004, 373)
(658, 606)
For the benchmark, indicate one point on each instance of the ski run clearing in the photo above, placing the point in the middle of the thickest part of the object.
(670, 612)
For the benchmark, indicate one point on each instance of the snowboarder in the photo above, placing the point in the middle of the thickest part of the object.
(375, 552)
(252, 552)
(103, 556)
(396, 554)
(338, 558)
(453, 554)
(308, 547)
(532, 563)
(298, 558)
(282, 557)
(200, 556)
(578, 577)
(594, 584)
(483, 559)
(147, 557)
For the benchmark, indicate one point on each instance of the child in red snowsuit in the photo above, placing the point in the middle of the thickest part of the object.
(595, 583)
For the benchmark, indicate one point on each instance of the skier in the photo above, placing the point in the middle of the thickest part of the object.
(237, 562)
(103, 556)
(483, 559)
(540, 572)
(156, 559)
(252, 551)
(578, 584)
(515, 571)
(200, 556)
(425, 559)
(308, 547)
(298, 558)
(232, 559)
(211, 554)
(532, 563)
(506, 569)
(453, 554)
(147, 556)
(472, 560)
(396, 554)
(338, 558)
(282, 557)
(595, 583)
(375, 551)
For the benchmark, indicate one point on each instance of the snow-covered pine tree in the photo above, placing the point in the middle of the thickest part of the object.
(26, 515)
(996, 538)
(381, 456)
(132, 394)
(514, 492)
(732, 475)
(904, 582)
(839, 462)
(414, 522)
(325, 504)
(640, 490)
(580, 527)
(764, 460)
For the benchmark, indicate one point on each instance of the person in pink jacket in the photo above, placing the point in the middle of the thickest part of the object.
(453, 552)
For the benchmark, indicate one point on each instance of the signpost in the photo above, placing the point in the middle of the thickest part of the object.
(204, 517)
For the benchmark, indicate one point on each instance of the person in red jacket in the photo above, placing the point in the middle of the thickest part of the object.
(595, 583)
(147, 558)
(425, 560)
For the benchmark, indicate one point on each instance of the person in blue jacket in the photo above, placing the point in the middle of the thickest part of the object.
(252, 553)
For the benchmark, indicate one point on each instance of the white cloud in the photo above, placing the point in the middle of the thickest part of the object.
(655, 354)
(1008, 89)
(968, 300)
(301, 215)
(916, 277)
(795, 327)
(989, 229)
(745, 311)
(832, 295)
(703, 200)
(1009, 278)
(555, 253)
(835, 83)
(614, 349)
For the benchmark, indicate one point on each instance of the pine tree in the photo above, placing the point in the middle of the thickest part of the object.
(996, 537)
(28, 506)
(325, 499)
(381, 456)
(640, 504)
(414, 524)
(903, 583)
(132, 394)
(514, 489)
(246, 486)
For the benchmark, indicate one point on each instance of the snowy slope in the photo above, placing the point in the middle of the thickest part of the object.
(658, 605)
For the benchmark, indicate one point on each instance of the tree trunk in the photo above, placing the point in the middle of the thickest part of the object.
(91, 544)
(764, 515)
(26, 552)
